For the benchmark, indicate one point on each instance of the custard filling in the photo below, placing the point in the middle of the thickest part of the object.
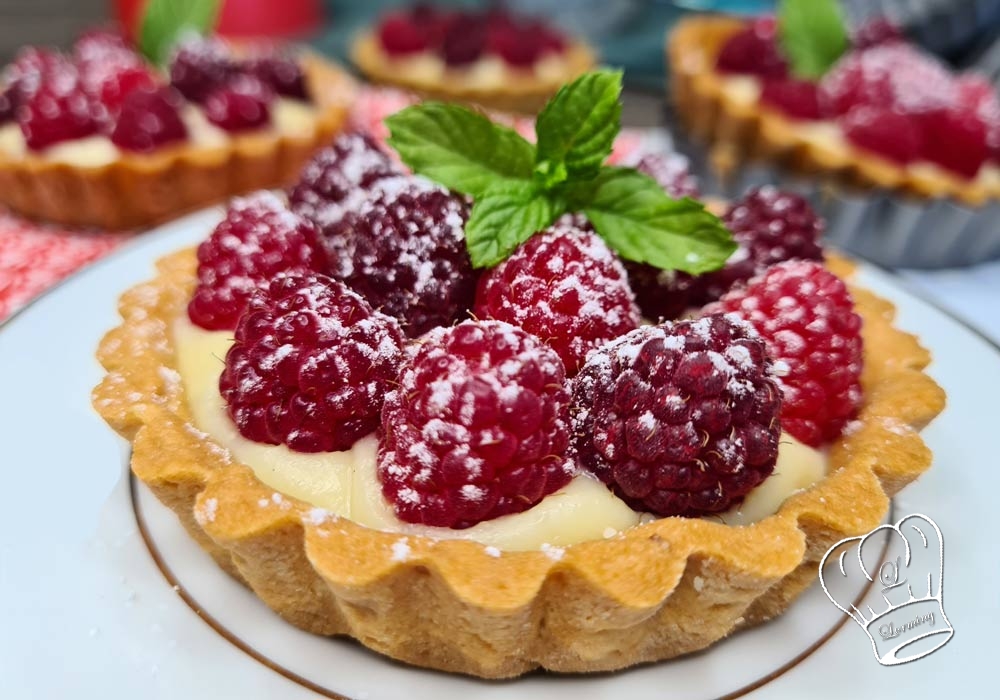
(345, 483)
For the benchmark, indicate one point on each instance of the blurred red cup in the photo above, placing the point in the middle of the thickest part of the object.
(244, 18)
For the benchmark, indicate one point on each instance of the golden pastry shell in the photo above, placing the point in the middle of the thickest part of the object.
(653, 592)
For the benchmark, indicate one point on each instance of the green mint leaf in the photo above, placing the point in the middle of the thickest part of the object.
(577, 127)
(813, 35)
(633, 214)
(459, 148)
(167, 21)
(505, 216)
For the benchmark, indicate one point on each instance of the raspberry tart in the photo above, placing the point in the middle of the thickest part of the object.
(521, 480)
(899, 142)
(493, 58)
(100, 137)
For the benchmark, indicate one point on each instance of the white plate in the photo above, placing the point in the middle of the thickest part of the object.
(87, 611)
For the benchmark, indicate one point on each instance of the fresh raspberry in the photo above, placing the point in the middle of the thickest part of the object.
(58, 111)
(977, 94)
(200, 67)
(806, 316)
(241, 104)
(111, 88)
(670, 170)
(564, 286)
(148, 120)
(519, 43)
(886, 132)
(464, 39)
(400, 35)
(258, 239)
(110, 68)
(353, 162)
(954, 138)
(888, 76)
(99, 45)
(680, 418)
(798, 99)
(477, 428)
(876, 31)
(310, 366)
(283, 74)
(30, 68)
(770, 225)
(403, 249)
(754, 51)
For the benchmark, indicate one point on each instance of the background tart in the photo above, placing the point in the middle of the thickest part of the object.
(653, 592)
(494, 58)
(726, 111)
(139, 189)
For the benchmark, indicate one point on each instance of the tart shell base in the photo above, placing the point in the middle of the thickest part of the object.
(140, 190)
(653, 592)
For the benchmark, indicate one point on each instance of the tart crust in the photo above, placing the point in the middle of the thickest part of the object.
(521, 92)
(739, 129)
(142, 189)
(655, 591)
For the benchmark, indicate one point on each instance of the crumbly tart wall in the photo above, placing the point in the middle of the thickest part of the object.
(656, 591)
(739, 130)
(522, 93)
(142, 189)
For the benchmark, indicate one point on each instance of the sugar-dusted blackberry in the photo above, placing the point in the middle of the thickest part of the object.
(200, 66)
(477, 427)
(680, 418)
(403, 249)
(350, 165)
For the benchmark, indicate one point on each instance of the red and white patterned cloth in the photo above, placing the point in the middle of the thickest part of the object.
(33, 256)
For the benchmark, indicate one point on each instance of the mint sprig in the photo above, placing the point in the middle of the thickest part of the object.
(813, 35)
(520, 188)
(167, 21)
(459, 148)
(577, 127)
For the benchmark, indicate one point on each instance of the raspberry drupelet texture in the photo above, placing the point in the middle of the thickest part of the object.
(806, 316)
(770, 225)
(310, 366)
(564, 286)
(352, 163)
(403, 249)
(680, 418)
(477, 427)
(258, 239)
